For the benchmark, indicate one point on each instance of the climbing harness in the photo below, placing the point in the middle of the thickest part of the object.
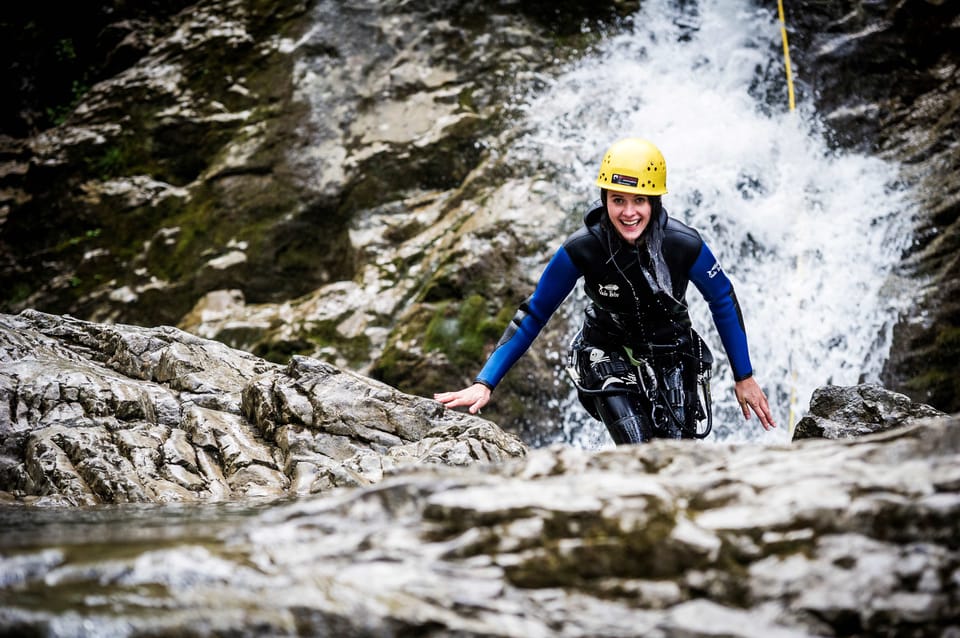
(661, 387)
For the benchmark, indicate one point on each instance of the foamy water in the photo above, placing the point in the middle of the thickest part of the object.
(808, 236)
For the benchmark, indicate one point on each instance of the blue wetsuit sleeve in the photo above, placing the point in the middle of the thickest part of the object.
(716, 288)
(556, 282)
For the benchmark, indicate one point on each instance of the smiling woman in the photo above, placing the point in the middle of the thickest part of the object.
(628, 213)
(637, 363)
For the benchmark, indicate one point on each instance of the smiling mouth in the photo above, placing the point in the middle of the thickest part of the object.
(631, 224)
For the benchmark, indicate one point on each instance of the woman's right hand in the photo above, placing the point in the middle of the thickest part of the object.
(476, 396)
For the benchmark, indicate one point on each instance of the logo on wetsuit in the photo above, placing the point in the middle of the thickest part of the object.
(609, 290)
(714, 270)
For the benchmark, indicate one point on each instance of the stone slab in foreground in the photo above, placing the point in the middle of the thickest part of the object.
(853, 537)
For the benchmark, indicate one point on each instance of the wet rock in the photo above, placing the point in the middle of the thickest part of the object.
(844, 412)
(325, 174)
(97, 413)
(818, 538)
(266, 125)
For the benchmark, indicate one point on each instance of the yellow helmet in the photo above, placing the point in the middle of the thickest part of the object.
(633, 165)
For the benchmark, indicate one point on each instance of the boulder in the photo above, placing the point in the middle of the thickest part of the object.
(93, 413)
(843, 412)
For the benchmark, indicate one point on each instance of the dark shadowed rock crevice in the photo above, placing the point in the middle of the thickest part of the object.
(52, 57)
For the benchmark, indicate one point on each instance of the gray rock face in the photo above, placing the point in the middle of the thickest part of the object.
(821, 538)
(413, 520)
(94, 413)
(846, 412)
(305, 178)
(251, 143)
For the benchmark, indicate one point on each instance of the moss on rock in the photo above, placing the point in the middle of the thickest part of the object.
(461, 331)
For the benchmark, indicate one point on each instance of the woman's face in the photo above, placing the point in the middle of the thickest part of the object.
(629, 213)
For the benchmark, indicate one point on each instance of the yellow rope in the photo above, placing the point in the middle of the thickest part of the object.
(786, 54)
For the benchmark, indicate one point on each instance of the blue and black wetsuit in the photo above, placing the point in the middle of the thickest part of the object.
(637, 359)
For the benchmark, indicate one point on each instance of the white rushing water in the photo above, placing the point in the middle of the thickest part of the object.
(808, 236)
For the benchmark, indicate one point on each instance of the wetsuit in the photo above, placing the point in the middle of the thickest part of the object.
(636, 361)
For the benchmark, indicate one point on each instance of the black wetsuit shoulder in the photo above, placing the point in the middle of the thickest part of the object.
(681, 247)
(583, 247)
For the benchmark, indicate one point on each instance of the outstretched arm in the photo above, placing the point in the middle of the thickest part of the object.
(556, 282)
(717, 289)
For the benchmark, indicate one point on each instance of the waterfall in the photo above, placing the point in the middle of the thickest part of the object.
(809, 236)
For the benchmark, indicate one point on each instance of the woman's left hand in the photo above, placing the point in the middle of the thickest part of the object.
(750, 396)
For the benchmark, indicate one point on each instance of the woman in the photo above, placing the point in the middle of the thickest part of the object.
(636, 362)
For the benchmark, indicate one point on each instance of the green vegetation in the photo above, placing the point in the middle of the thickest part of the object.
(315, 336)
(465, 100)
(113, 162)
(462, 331)
(281, 351)
(455, 334)
(87, 235)
(324, 334)
(58, 114)
(19, 293)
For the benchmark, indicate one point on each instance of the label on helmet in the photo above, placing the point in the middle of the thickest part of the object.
(624, 180)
